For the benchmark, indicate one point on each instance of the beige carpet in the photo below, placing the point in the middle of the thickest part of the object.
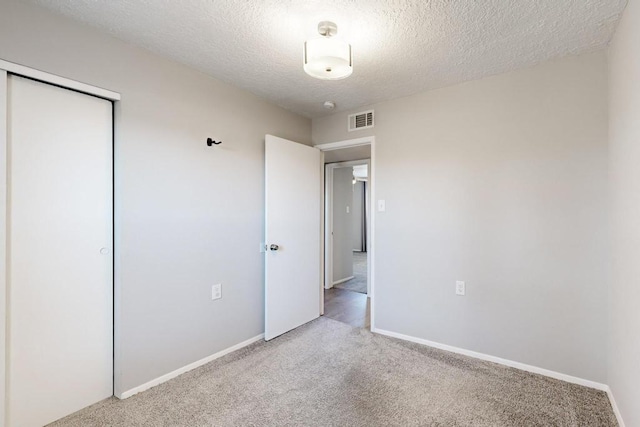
(327, 373)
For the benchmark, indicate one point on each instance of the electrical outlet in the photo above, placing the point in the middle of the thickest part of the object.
(460, 288)
(216, 291)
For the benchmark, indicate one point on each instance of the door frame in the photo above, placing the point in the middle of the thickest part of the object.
(371, 247)
(8, 68)
(328, 219)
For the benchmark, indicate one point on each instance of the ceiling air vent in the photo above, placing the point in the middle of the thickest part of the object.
(363, 120)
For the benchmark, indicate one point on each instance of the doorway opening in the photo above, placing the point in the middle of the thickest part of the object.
(348, 240)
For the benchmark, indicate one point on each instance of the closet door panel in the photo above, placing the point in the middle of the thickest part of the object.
(60, 341)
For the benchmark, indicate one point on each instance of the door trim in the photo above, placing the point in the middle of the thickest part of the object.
(367, 140)
(55, 80)
(7, 68)
(371, 247)
(3, 243)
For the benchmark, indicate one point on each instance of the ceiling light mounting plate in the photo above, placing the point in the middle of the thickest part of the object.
(329, 105)
(327, 28)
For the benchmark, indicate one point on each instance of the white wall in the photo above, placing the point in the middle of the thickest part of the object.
(342, 223)
(357, 217)
(502, 183)
(187, 216)
(624, 140)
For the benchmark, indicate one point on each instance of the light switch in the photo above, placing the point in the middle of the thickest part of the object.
(381, 206)
(216, 291)
(460, 288)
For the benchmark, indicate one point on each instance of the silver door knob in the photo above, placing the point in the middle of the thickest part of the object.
(274, 247)
(104, 251)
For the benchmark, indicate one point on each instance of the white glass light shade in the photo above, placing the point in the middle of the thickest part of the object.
(327, 58)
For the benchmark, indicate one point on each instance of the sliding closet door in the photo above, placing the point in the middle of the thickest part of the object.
(60, 321)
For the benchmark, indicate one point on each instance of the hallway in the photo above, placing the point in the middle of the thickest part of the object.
(352, 308)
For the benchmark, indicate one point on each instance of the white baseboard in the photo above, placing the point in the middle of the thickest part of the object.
(614, 405)
(346, 279)
(499, 360)
(187, 368)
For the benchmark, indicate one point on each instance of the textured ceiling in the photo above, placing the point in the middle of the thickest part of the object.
(399, 47)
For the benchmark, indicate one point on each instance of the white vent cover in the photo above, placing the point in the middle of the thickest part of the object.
(363, 120)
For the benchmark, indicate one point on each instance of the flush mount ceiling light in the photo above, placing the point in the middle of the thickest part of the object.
(326, 57)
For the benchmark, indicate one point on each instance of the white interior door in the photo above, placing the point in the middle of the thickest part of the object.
(60, 321)
(292, 266)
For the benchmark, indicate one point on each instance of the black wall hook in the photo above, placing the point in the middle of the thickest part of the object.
(210, 142)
